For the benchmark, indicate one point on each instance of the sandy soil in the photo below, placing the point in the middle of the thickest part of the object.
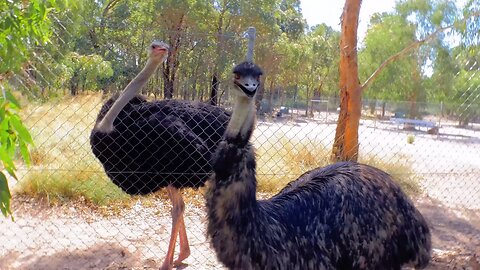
(75, 237)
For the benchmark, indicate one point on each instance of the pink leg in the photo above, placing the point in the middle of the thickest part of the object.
(184, 246)
(178, 207)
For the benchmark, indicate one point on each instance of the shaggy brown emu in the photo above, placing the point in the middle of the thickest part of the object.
(343, 216)
(144, 146)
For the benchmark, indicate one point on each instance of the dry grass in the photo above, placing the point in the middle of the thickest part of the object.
(280, 162)
(64, 169)
(72, 185)
(286, 160)
(402, 173)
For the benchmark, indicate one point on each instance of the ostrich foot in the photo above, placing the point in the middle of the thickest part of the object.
(166, 266)
(184, 253)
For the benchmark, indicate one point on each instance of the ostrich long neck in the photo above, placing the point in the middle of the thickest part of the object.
(106, 124)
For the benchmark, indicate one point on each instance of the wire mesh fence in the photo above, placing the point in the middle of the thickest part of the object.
(69, 215)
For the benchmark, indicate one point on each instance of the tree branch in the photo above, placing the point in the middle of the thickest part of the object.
(407, 49)
(401, 53)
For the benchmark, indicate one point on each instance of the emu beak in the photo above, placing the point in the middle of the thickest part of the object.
(248, 85)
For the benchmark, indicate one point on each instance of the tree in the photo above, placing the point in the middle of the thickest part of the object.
(432, 19)
(25, 25)
(389, 33)
(86, 71)
(345, 146)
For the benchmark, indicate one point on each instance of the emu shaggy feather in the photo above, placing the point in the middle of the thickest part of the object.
(158, 143)
(343, 216)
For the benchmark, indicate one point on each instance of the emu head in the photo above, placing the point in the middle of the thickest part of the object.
(246, 78)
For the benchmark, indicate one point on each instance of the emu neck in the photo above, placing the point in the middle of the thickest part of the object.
(240, 127)
(233, 191)
(106, 124)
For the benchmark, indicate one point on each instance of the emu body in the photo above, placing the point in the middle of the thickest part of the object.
(343, 216)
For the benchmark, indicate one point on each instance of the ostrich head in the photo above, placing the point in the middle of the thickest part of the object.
(247, 78)
(158, 51)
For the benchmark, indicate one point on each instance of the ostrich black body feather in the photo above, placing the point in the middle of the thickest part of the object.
(159, 143)
(343, 216)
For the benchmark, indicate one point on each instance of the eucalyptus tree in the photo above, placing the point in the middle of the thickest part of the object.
(387, 34)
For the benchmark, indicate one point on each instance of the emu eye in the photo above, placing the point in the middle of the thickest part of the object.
(237, 77)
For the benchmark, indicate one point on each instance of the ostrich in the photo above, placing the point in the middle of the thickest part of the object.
(343, 216)
(144, 146)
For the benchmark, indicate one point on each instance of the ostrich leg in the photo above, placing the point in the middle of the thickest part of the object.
(178, 228)
(184, 246)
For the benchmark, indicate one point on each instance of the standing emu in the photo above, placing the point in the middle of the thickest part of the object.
(343, 216)
(144, 146)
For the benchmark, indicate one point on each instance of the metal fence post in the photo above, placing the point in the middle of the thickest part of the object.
(251, 43)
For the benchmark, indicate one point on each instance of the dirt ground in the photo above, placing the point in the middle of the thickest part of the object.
(76, 237)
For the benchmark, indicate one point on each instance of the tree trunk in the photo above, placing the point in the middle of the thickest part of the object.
(74, 83)
(345, 146)
(269, 97)
(307, 101)
(259, 98)
(167, 83)
(295, 94)
(175, 39)
(417, 84)
(214, 90)
(384, 104)
(373, 105)
(219, 52)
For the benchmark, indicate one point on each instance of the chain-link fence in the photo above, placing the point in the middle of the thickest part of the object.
(69, 215)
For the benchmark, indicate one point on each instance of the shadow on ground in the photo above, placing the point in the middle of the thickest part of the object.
(455, 236)
(108, 256)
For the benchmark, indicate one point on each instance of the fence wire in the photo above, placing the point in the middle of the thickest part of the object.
(69, 215)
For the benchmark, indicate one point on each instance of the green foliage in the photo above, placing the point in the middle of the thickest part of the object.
(13, 137)
(388, 34)
(22, 24)
(290, 19)
(85, 71)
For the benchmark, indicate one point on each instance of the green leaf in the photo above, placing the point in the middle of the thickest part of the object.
(22, 131)
(12, 99)
(5, 196)
(2, 113)
(11, 171)
(25, 153)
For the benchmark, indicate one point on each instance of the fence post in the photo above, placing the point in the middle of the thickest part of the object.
(251, 43)
(440, 119)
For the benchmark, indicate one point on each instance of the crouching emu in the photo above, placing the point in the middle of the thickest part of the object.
(144, 146)
(343, 216)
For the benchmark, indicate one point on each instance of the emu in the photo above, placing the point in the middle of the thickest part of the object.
(343, 216)
(144, 146)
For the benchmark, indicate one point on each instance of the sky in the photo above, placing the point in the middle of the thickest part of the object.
(329, 12)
